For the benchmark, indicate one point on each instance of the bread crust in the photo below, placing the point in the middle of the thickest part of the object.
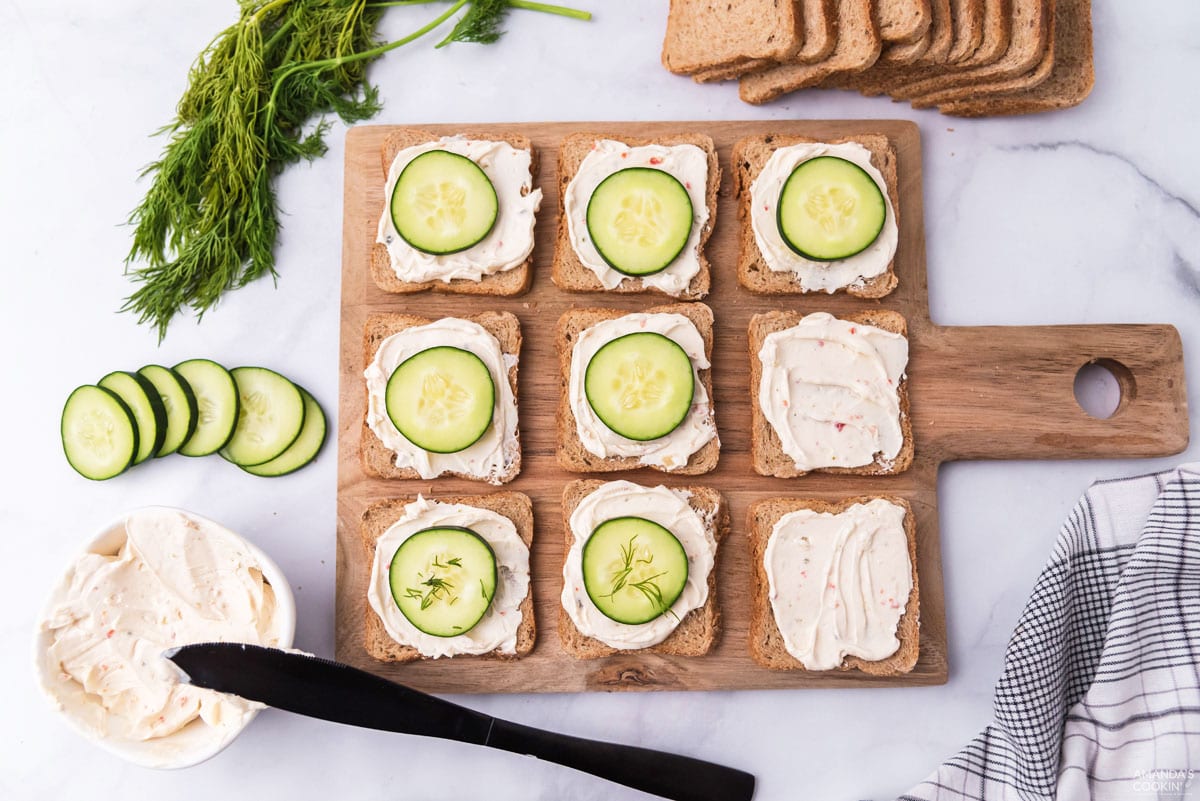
(698, 631)
(501, 284)
(379, 517)
(377, 459)
(766, 642)
(749, 157)
(571, 453)
(570, 274)
(766, 449)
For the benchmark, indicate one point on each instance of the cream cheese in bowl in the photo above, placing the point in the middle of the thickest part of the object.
(155, 579)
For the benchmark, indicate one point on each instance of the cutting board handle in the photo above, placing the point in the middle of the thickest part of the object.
(994, 392)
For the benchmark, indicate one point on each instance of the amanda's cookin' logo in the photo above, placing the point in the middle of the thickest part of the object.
(1165, 783)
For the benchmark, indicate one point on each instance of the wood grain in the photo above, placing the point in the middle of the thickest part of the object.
(976, 393)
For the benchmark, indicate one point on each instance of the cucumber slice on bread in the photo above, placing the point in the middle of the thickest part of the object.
(303, 450)
(179, 403)
(640, 385)
(443, 203)
(270, 416)
(217, 403)
(441, 399)
(633, 569)
(443, 579)
(99, 434)
(148, 411)
(830, 209)
(639, 219)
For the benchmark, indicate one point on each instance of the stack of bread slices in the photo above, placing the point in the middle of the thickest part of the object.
(967, 58)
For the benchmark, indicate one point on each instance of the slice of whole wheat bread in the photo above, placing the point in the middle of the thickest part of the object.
(698, 631)
(766, 449)
(379, 517)
(749, 157)
(506, 283)
(858, 47)
(571, 453)
(380, 461)
(993, 44)
(766, 642)
(902, 21)
(1069, 83)
(714, 34)
(569, 273)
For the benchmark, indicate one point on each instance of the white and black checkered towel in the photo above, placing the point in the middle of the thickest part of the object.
(1100, 695)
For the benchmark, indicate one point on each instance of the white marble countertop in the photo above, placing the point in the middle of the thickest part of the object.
(1085, 216)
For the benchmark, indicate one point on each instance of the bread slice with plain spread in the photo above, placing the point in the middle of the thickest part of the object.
(749, 157)
(377, 459)
(766, 449)
(766, 642)
(697, 632)
(505, 283)
(379, 517)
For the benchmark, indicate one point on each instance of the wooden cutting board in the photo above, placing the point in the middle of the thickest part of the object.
(977, 393)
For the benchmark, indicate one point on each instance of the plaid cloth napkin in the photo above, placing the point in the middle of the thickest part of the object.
(1100, 695)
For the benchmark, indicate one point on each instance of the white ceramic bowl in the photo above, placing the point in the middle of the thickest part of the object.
(195, 742)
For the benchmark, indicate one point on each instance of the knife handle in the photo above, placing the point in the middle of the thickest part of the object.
(668, 775)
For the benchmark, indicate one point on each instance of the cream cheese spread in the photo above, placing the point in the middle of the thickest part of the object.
(175, 580)
(839, 583)
(511, 239)
(830, 389)
(497, 630)
(817, 276)
(672, 451)
(687, 163)
(671, 510)
(492, 456)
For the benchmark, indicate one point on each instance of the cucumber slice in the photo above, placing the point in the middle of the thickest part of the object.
(99, 434)
(270, 416)
(303, 450)
(443, 579)
(441, 399)
(639, 219)
(216, 402)
(148, 411)
(443, 203)
(633, 569)
(830, 209)
(179, 402)
(640, 385)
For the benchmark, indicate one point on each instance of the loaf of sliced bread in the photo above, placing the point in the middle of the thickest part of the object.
(506, 283)
(698, 631)
(572, 455)
(377, 459)
(766, 642)
(766, 449)
(380, 516)
(749, 157)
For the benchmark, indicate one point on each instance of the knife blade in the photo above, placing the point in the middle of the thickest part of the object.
(320, 688)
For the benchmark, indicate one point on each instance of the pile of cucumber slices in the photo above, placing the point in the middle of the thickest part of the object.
(253, 417)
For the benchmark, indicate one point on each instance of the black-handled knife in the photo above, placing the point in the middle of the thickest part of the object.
(332, 691)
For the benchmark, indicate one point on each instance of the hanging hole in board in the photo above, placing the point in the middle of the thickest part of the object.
(1103, 387)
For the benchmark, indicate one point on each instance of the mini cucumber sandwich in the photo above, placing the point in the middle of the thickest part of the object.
(441, 397)
(636, 214)
(449, 577)
(817, 216)
(252, 416)
(638, 390)
(459, 216)
(638, 568)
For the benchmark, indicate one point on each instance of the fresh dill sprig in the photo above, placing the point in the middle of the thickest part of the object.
(209, 221)
(648, 586)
